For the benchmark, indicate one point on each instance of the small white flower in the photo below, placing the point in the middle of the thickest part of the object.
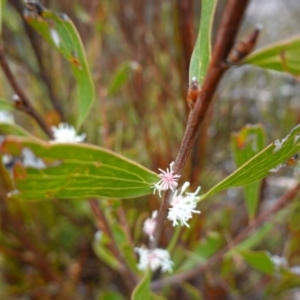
(182, 207)
(15, 97)
(150, 224)
(278, 261)
(98, 235)
(55, 37)
(297, 171)
(296, 138)
(29, 159)
(12, 193)
(155, 259)
(66, 133)
(277, 168)
(135, 66)
(168, 180)
(295, 270)
(278, 145)
(6, 117)
(6, 159)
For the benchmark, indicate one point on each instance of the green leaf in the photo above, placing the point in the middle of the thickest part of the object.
(193, 292)
(246, 143)
(6, 105)
(282, 56)
(201, 251)
(109, 295)
(105, 254)
(57, 170)
(2, 5)
(13, 129)
(123, 244)
(202, 51)
(206, 248)
(142, 290)
(1, 9)
(120, 77)
(157, 297)
(262, 163)
(259, 260)
(61, 33)
(255, 238)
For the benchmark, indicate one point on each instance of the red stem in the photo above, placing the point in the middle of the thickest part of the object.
(231, 20)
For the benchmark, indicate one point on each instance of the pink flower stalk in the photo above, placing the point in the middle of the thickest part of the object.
(182, 206)
(168, 180)
(150, 224)
(155, 259)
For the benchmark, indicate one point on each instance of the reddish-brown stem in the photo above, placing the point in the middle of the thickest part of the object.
(281, 203)
(26, 104)
(225, 40)
(36, 47)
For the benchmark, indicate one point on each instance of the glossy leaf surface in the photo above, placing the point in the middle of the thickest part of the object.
(282, 56)
(142, 290)
(61, 33)
(268, 160)
(245, 144)
(6, 105)
(13, 129)
(202, 50)
(47, 170)
(259, 260)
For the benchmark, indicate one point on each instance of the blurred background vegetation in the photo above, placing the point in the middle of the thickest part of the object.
(139, 54)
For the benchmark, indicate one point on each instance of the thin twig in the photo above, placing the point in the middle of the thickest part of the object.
(281, 203)
(225, 40)
(128, 276)
(26, 104)
(36, 47)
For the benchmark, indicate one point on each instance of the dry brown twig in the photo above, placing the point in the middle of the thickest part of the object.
(26, 105)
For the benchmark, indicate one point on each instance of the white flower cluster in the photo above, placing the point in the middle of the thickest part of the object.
(66, 133)
(154, 259)
(182, 206)
(150, 224)
(281, 263)
(278, 261)
(168, 180)
(6, 117)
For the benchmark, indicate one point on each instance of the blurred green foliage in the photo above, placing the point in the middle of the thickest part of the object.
(139, 53)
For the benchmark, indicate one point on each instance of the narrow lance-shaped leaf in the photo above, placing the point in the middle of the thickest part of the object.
(271, 159)
(101, 249)
(142, 290)
(120, 76)
(254, 238)
(60, 31)
(1, 9)
(2, 5)
(48, 170)
(6, 105)
(202, 50)
(245, 144)
(282, 56)
(260, 260)
(13, 129)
